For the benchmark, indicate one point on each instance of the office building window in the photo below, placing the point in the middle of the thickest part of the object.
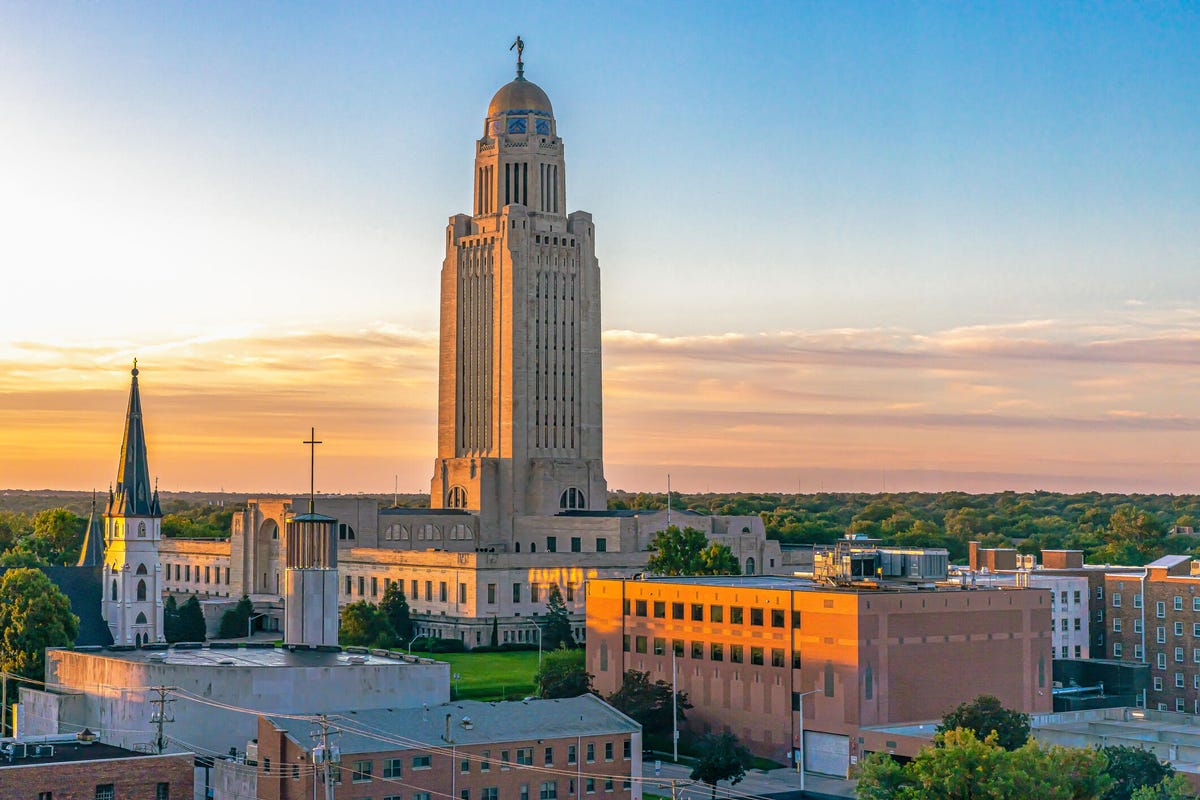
(162, 791)
(1178, 603)
(393, 767)
(1116, 599)
(360, 771)
(676, 610)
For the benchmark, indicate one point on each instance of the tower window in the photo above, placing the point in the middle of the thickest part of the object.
(572, 499)
(457, 497)
(141, 590)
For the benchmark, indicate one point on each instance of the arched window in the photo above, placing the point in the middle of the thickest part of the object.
(141, 619)
(345, 532)
(572, 499)
(141, 530)
(137, 640)
(141, 570)
(456, 497)
(750, 566)
(114, 589)
(517, 545)
(141, 590)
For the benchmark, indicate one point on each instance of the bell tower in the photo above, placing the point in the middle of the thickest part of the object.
(520, 429)
(132, 604)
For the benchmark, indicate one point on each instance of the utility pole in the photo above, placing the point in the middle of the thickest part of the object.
(325, 755)
(161, 716)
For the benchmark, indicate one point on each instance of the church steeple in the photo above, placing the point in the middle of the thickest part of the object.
(92, 552)
(133, 496)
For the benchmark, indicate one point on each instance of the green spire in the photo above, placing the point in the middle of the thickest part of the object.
(133, 496)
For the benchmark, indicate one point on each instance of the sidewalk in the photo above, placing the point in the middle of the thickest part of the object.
(781, 784)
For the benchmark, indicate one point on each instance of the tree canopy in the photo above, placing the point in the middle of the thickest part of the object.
(961, 767)
(985, 715)
(720, 757)
(563, 673)
(394, 606)
(648, 703)
(236, 621)
(1131, 769)
(34, 615)
(556, 625)
(688, 552)
(364, 625)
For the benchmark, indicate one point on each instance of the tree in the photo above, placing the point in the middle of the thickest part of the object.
(563, 673)
(34, 615)
(394, 606)
(688, 552)
(556, 625)
(365, 625)
(495, 640)
(961, 767)
(1132, 768)
(171, 620)
(191, 625)
(1173, 787)
(236, 620)
(985, 714)
(57, 535)
(720, 757)
(648, 703)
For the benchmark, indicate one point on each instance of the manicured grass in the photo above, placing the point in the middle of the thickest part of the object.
(490, 676)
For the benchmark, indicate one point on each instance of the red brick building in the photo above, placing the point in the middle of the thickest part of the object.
(62, 768)
(866, 654)
(570, 749)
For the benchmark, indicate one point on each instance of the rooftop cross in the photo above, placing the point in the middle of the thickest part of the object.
(312, 469)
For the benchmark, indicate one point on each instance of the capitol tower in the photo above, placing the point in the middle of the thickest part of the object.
(519, 404)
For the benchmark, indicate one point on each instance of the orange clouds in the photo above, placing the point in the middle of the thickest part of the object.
(1049, 403)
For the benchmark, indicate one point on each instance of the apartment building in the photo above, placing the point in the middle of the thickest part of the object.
(1154, 618)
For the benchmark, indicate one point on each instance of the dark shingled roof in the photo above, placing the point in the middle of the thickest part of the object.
(133, 496)
(83, 586)
(92, 552)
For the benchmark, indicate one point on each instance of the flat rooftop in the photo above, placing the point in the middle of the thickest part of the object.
(66, 752)
(798, 584)
(471, 722)
(264, 657)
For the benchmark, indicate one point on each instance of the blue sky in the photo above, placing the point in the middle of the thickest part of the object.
(754, 169)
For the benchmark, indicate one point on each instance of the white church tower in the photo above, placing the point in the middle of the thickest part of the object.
(133, 605)
(520, 430)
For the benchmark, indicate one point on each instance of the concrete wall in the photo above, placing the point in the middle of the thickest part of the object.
(117, 706)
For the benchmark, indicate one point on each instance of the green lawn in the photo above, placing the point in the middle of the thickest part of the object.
(490, 676)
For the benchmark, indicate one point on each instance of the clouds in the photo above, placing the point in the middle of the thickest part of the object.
(1086, 403)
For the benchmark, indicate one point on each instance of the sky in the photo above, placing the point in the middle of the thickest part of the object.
(844, 246)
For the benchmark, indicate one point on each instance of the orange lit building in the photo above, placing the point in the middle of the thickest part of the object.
(862, 654)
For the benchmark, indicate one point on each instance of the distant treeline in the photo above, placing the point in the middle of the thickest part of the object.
(47, 527)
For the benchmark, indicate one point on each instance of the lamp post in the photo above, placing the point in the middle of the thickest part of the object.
(800, 760)
(250, 623)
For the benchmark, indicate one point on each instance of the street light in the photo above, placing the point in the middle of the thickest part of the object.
(250, 623)
(800, 760)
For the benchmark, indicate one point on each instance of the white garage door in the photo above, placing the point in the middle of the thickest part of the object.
(826, 753)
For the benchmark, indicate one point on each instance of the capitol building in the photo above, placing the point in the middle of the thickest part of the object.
(518, 498)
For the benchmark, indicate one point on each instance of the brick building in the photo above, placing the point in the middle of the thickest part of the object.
(571, 749)
(868, 652)
(1154, 618)
(65, 768)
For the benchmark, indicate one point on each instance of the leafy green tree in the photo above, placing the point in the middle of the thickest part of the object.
(34, 615)
(720, 757)
(648, 703)
(171, 620)
(1172, 787)
(961, 767)
(57, 535)
(495, 639)
(21, 556)
(688, 552)
(394, 606)
(1132, 768)
(236, 620)
(556, 625)
(985, 715)
(563, 673)
(364, 625)
(191, 621)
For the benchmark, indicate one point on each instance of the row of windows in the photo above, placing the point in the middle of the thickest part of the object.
(538, 592)
(106, 791)
(428, 532)
(184, 573)
(363, 770)
(716, 613)
(716, 651)
(1160, 606)
(600, 545)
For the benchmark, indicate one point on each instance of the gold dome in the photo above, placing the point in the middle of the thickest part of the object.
(519, 95)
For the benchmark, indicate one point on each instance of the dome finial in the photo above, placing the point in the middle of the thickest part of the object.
(520, 48)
